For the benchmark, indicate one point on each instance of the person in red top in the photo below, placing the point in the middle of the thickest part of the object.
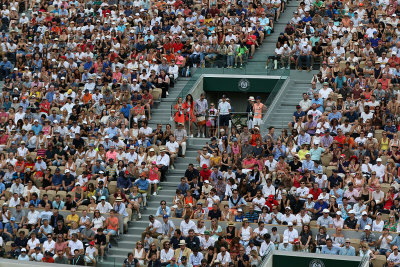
(45, 106)
(340, 138)
(251, 42)
(271, 202)
(394, 60)
(154, 176)
(315, 191)
(47, 257)
(205, 173)
(178, 45)
(168, 46)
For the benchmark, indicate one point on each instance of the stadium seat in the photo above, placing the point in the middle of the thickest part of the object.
(112, 187)
(380, 260)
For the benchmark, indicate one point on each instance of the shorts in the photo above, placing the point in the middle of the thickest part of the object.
(224, 120)
(257, 121)
(154, 181)
(113, 232)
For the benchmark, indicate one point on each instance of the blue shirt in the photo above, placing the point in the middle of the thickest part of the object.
(161, 212)
(126, 110)
(112, 132)
(278, 153)
(9, 228)
(339, 199)
(58, 206)
(2, 187)
(318, 101)
(37, 129)
(332, 251)
(142, 184)
(323, 206)
(336, 115)
(309, 165)
(347, 251)
(57, 179)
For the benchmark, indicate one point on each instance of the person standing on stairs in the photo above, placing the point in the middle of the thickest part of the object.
(224, 110)
(190, 117)
(201, 107)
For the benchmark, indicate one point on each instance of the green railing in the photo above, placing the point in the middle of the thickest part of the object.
(252, 69)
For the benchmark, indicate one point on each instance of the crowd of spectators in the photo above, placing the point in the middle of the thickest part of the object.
(80, 79)
(336, 170)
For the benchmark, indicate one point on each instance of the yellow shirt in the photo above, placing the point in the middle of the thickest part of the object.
(302, 154)
(71, 218)
(385, 144)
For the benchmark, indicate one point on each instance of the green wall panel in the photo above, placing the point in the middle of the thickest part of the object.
(283, 261)
(251, 85)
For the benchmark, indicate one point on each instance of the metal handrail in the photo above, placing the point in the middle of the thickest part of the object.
(364, 261)
(266, 257)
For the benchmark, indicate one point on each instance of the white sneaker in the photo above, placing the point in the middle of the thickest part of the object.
(166, 93)
(203, 135)
(191, 136)
(140, 216)
(172, 167)
(155, 194)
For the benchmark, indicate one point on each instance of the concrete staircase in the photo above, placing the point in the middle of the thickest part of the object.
(121, 247)
(281, 114)
(161, 112)
(269, 44)
(289, 96)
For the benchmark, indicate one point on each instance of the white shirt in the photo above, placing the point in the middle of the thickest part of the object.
(166, 256)
(49, 246)
(131, 157)
(268, 190)
(258, 202)
(384, 243)
(163, 160)
(104, 209)
(291, 235)
(380, 170)
(33, 243)
(33, 217)
(261, 232)
(291, 218)
(306, 219)
(156, 225)
(75, 245)
(303, 192)
(172, 147)
(271, 165)
(203, 160)
(224, 258)
(185, 227)
(224, 107)
(206, 243)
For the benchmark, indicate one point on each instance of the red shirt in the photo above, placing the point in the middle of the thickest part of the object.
(45, 107)
(271, 204)
(149, 98)
(340, 140)
(205, 174)
(51, 260)
(168, 46)
(315, 193)
(251, 39)
(177, 46)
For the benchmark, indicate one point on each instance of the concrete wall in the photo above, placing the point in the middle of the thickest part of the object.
(15, 263)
